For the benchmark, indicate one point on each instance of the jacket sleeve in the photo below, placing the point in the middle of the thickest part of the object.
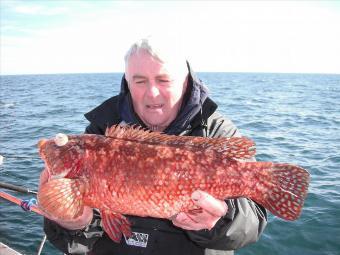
(74, 241)
(245, 220)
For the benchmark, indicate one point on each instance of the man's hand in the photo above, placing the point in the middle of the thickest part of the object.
(78, 223)
(212, 210)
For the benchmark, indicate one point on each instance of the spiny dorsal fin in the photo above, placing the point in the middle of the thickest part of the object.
(232, 147)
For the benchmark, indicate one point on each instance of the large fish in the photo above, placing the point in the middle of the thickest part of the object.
(130, 171)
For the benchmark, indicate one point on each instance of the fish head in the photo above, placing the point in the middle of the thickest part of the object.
(63, 155)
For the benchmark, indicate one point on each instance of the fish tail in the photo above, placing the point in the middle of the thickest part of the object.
(62, 199)
(281, 188)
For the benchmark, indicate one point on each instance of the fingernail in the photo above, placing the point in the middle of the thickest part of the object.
(196, 195)
(181, 217)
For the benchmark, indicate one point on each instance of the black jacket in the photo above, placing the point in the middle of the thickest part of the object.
(243, 224)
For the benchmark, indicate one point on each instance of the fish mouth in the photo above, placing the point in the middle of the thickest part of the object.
(48, 174)
(57, 176)
(52, 176)
(41, 144)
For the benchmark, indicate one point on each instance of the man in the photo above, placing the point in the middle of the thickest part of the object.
(160, 92)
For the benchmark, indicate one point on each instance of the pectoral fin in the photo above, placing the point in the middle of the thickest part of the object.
(115, 225)
(62, 198)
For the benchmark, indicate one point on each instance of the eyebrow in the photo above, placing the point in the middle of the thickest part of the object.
(166, 76)
(137, 76)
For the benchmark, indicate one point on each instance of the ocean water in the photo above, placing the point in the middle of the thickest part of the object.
(292, 118)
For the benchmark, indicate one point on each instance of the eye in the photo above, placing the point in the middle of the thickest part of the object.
(60, 139)
(140, 82)
(164, 81)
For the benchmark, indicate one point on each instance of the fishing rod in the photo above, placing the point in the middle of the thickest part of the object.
(20, 189)
(24, 204)
(11, 156)
(31, 207)
(17, 188)
(27, 206)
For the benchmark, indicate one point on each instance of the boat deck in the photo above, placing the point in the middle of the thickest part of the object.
(5, 250)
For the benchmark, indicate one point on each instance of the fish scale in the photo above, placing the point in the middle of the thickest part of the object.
(130, 171)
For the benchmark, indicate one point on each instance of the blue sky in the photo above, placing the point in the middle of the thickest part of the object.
(230, 36)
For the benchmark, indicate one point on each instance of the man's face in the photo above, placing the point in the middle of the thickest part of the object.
(156, 89)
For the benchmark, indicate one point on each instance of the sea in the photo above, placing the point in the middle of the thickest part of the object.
(292, 118)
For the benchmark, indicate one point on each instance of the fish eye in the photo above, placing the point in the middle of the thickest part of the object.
(60, 139)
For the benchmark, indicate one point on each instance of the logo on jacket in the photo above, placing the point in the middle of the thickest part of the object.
(137, 239)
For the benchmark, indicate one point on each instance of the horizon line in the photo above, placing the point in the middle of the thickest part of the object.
(121, 72)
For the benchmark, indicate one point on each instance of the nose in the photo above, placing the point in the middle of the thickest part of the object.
(153, 90)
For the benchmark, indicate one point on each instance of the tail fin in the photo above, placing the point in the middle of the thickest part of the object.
(282, 189)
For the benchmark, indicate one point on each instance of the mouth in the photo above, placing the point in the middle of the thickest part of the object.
(48, 174)
(154, 106)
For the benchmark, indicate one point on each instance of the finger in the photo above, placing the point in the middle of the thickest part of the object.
(185, 222)
(209, 203)
(206, 219)
(77, 223)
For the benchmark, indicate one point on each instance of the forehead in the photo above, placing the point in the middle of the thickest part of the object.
(144, 64)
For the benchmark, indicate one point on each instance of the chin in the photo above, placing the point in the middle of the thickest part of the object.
(155, 122)
(155, 119)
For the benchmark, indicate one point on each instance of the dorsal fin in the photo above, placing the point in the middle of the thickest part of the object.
(232, 147)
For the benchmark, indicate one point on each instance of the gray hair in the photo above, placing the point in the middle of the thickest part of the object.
(162, 49)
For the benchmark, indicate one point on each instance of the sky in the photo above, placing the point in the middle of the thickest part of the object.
(55, 36)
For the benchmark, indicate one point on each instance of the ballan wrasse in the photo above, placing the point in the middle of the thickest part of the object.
(130, 171)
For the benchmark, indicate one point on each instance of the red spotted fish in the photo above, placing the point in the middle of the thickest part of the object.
(130, 171)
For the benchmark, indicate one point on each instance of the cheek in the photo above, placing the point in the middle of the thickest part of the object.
(137, 95)
(173, 96)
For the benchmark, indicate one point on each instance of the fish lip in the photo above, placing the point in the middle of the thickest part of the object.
(48, 174)
(57, 176)
(52, 176)
(41, 143)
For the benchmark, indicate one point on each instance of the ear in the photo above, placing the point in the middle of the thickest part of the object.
(185, 84)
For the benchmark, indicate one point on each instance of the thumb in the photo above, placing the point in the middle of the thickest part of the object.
(209, 203)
